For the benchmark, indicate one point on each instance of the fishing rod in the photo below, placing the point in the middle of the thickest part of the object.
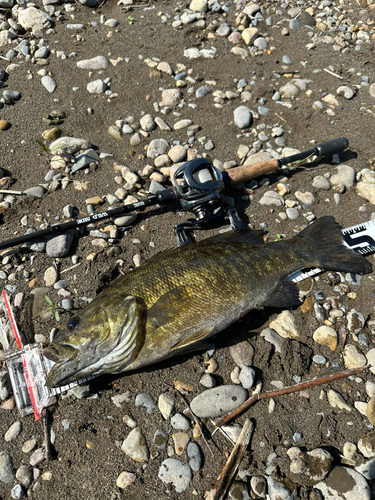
(196, 186)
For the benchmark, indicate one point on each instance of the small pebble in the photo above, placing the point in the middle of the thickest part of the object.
(195, 456)
(179, 422)
(175, 472)
(13, 432)
(135, 446)
(145, 400)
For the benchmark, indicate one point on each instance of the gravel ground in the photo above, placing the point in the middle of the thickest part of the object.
(140, 86)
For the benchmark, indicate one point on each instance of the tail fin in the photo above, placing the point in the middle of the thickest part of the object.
(325, 237)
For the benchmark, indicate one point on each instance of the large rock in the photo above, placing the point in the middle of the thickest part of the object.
(366, 191)
(31, 18)
(69, 144)
(218, 401)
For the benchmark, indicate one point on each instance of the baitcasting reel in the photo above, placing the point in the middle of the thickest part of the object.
(197, 185)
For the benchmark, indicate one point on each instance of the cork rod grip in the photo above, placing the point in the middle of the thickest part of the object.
(244, 174)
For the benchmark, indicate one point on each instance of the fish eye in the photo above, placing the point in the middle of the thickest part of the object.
(72, 323)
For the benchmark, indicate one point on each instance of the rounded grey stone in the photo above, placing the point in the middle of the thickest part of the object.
(292, 213)
(179, 422)
(125, 220)
(242, 353)
(145, 400)
(319, 360)
(12, 95)
(218, 401)
(224, 30)
(294, 24)
(96, 87)
(66, 304)
(277, 490)
(7, 472)
(13, 432)
(195, 456)
(11, 54)
(367, 469)
(262, 110)
(247, 376)
(207, 381)
(37, 191)
(205, 89)
(37, 457)
(242, 117)
(41, 53)
(157, 147)
(59, 246)
(24, 475)
(112, 23)
(344, 175)
(261, 43)
(321, 182)
(49, 83)
(147, 122)
(175, 472)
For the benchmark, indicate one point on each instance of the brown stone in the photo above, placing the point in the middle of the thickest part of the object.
(4, 125)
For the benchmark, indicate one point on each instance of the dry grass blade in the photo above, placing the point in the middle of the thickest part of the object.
(226, 476)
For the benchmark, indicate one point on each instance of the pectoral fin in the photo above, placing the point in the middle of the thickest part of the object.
(168, 306)
(195, 337)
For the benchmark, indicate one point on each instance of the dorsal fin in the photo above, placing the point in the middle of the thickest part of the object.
(249, 236)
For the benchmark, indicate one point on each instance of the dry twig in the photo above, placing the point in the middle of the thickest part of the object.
(10, 191)
(333, 74)
(288, 390)
(220, 488)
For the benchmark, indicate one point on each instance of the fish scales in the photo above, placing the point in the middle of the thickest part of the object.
(179, 298)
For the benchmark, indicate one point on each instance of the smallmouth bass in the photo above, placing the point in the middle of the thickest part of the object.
(172, 303)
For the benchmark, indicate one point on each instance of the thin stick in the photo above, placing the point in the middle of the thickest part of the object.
(70, 268)
(47, 440)
(225, 478)
(194, 417)
(288, 390)
(9, 191)
(333, 74)
(287, 72)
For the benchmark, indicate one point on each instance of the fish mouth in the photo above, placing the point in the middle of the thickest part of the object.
(66, 367)
(60, 352)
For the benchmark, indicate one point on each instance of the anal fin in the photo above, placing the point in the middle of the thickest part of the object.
(287, 295)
